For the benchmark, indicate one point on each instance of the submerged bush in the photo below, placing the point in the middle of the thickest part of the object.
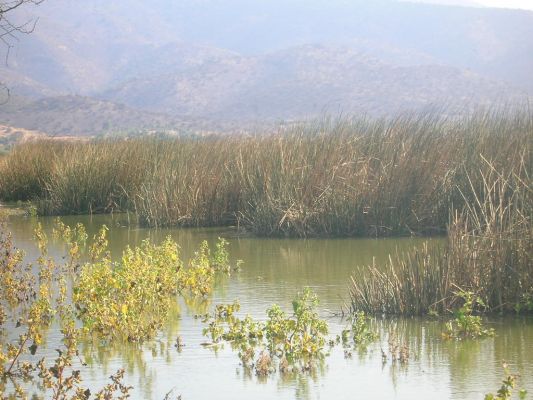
(126, 299)
(505, 392)
(360, 330)
(295, 341)
(131, 298)
(466, 324)
(29, 304)
(300, 336)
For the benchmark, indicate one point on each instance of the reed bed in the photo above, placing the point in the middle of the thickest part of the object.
(356, 177)
(489, 253)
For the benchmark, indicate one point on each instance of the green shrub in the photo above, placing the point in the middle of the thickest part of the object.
(295, 341)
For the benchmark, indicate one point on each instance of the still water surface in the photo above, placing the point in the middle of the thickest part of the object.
(274, 270)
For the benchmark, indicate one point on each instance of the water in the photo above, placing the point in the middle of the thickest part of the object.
(274, 270)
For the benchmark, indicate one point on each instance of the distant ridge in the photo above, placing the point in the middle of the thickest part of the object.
(79, 116)
(99, 66)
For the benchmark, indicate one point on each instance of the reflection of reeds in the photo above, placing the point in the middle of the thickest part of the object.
(489, 252)
(331, 178)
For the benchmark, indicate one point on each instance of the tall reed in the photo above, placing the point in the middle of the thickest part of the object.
(328, 178)
(489, 253)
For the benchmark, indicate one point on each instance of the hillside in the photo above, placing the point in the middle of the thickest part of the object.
(206, 64)
(79, 116)
(100, 37)
(307, 81)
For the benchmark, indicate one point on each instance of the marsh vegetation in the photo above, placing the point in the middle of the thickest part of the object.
(488, 253)
(466, 180)
(331, 178)
(127, 300)
(108, 297)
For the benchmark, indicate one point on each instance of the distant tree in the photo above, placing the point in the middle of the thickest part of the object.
(9, 31)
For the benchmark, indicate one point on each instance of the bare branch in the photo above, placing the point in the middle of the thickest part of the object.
(10, 30)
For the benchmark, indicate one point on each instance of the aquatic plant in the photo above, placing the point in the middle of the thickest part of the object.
(300, 336)
(465, 324)
(221, 256)
(197, 278)
(28, 305)
(295, 341)
(410, 283)
(132, 298)
(505, 392)
(127, 299)
(75, 238)
(489, 252)
(360, 332)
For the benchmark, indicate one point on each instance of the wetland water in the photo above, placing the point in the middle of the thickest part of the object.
(274, 270)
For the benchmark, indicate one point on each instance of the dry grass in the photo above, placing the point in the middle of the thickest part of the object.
(489, 253)
(331, 178)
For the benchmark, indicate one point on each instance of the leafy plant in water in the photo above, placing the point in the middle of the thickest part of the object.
(227, 310)
(27, 304)
(198, 279)
(75, 239)
(131, 298)
(223, 325)
(220, 260)
(360, 330)
(64, 380)
(300, 336)
(295, 340)
(32, 304)
(465, 324)
(99, 245)
(506, 390)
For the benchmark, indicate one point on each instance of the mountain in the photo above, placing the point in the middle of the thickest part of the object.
(214, 62)
(80, 116)
(306, 81)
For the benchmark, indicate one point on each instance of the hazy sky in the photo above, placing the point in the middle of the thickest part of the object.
(527, 4)
(524, 4)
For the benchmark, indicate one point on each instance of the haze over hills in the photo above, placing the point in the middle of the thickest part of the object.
(302, 81)
(174, 64)
(81, 116)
